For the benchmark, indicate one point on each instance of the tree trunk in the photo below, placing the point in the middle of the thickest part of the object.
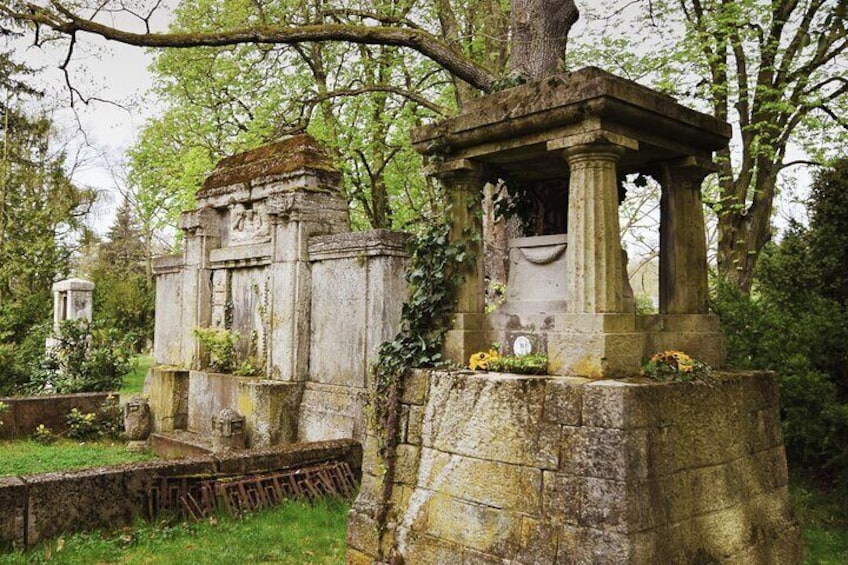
(539, 36)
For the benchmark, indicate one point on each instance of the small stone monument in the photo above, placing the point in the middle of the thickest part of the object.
(137, 423)
(72, 300)
(227, 431)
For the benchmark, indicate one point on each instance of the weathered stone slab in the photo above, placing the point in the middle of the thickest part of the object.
(496, 417)
(617, 404)
(605, 453)
(168, 398)
(626, 489)
(510, 487)
(78, 501)
(25, 413)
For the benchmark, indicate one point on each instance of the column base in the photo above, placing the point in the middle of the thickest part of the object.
(697, 335)
(468, 336)
(616, 345)
(596, 345)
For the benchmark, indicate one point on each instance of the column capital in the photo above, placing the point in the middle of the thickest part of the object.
(688, 170)
(592, 152)
(594, 141)
(456, 168)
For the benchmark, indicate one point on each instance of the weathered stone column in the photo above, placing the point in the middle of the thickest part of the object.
(593, 255)
(683, 244)
(597, 336)
(201, 235)
(463, 181)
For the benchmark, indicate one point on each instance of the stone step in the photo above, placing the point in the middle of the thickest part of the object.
(179, 444)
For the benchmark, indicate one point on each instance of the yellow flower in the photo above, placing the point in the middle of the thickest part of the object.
(480, 360)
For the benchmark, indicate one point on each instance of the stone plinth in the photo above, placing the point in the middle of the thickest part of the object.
(498, 468)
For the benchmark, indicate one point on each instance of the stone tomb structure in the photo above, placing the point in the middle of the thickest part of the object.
(268, 255)
(579, 467)
(583, 132)
(588, 465)
(73, 299)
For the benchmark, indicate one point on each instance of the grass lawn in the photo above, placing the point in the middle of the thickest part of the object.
(134, 382)
(25, 457)
(296, 533)
(824, 520)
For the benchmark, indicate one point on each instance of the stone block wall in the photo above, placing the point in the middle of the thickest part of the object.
(35, 508)
(504, 468)
(26, 413)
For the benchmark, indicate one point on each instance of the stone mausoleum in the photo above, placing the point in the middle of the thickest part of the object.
(590, 464)
(269, 255)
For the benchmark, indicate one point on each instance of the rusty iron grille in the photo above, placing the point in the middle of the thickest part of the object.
(198, 497)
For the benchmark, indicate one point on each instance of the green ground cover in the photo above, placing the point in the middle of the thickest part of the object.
(823, 515)
(25, 457)
(134, 381)
(295, 533)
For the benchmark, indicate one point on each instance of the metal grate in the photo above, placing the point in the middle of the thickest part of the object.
(198, 497)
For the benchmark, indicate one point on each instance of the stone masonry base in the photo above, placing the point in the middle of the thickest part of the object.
(496, 468)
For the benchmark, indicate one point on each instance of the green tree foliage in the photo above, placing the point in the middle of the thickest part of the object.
(40, 213)
(124, 294)
(796, 322)
(360, 100)
(776, 70)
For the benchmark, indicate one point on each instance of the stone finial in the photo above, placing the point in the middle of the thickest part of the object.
(227, 431)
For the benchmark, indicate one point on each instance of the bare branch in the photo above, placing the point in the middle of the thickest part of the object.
(63, 20)
(802, 162)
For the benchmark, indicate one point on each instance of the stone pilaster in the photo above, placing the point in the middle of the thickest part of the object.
(201, 236)
(464, 183)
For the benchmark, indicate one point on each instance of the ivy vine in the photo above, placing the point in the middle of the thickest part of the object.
(434, 275)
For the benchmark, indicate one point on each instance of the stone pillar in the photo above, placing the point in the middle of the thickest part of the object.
(597, 336)
(201, 235)
(295, 217)
(463, 181)
(684, 321)
(593, 254)
(683, 244)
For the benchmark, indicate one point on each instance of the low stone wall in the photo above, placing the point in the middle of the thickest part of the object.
(26, 413)
(34, 508)
(497, 468)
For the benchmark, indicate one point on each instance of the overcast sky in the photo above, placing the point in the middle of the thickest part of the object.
(101, 131)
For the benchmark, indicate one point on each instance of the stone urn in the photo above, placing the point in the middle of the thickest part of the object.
(227, 431)
(137, 423)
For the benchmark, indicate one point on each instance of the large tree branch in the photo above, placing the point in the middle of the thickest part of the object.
(65, 21)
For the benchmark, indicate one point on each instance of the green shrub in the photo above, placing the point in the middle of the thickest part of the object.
(43, 435)
(221, 345)
(86, 358)
(795, 324)
(82, 426)
(533, 364)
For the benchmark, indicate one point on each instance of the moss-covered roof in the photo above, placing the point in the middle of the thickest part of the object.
(298, 152)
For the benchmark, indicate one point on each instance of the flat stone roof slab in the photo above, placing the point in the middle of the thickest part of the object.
(520, 129)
